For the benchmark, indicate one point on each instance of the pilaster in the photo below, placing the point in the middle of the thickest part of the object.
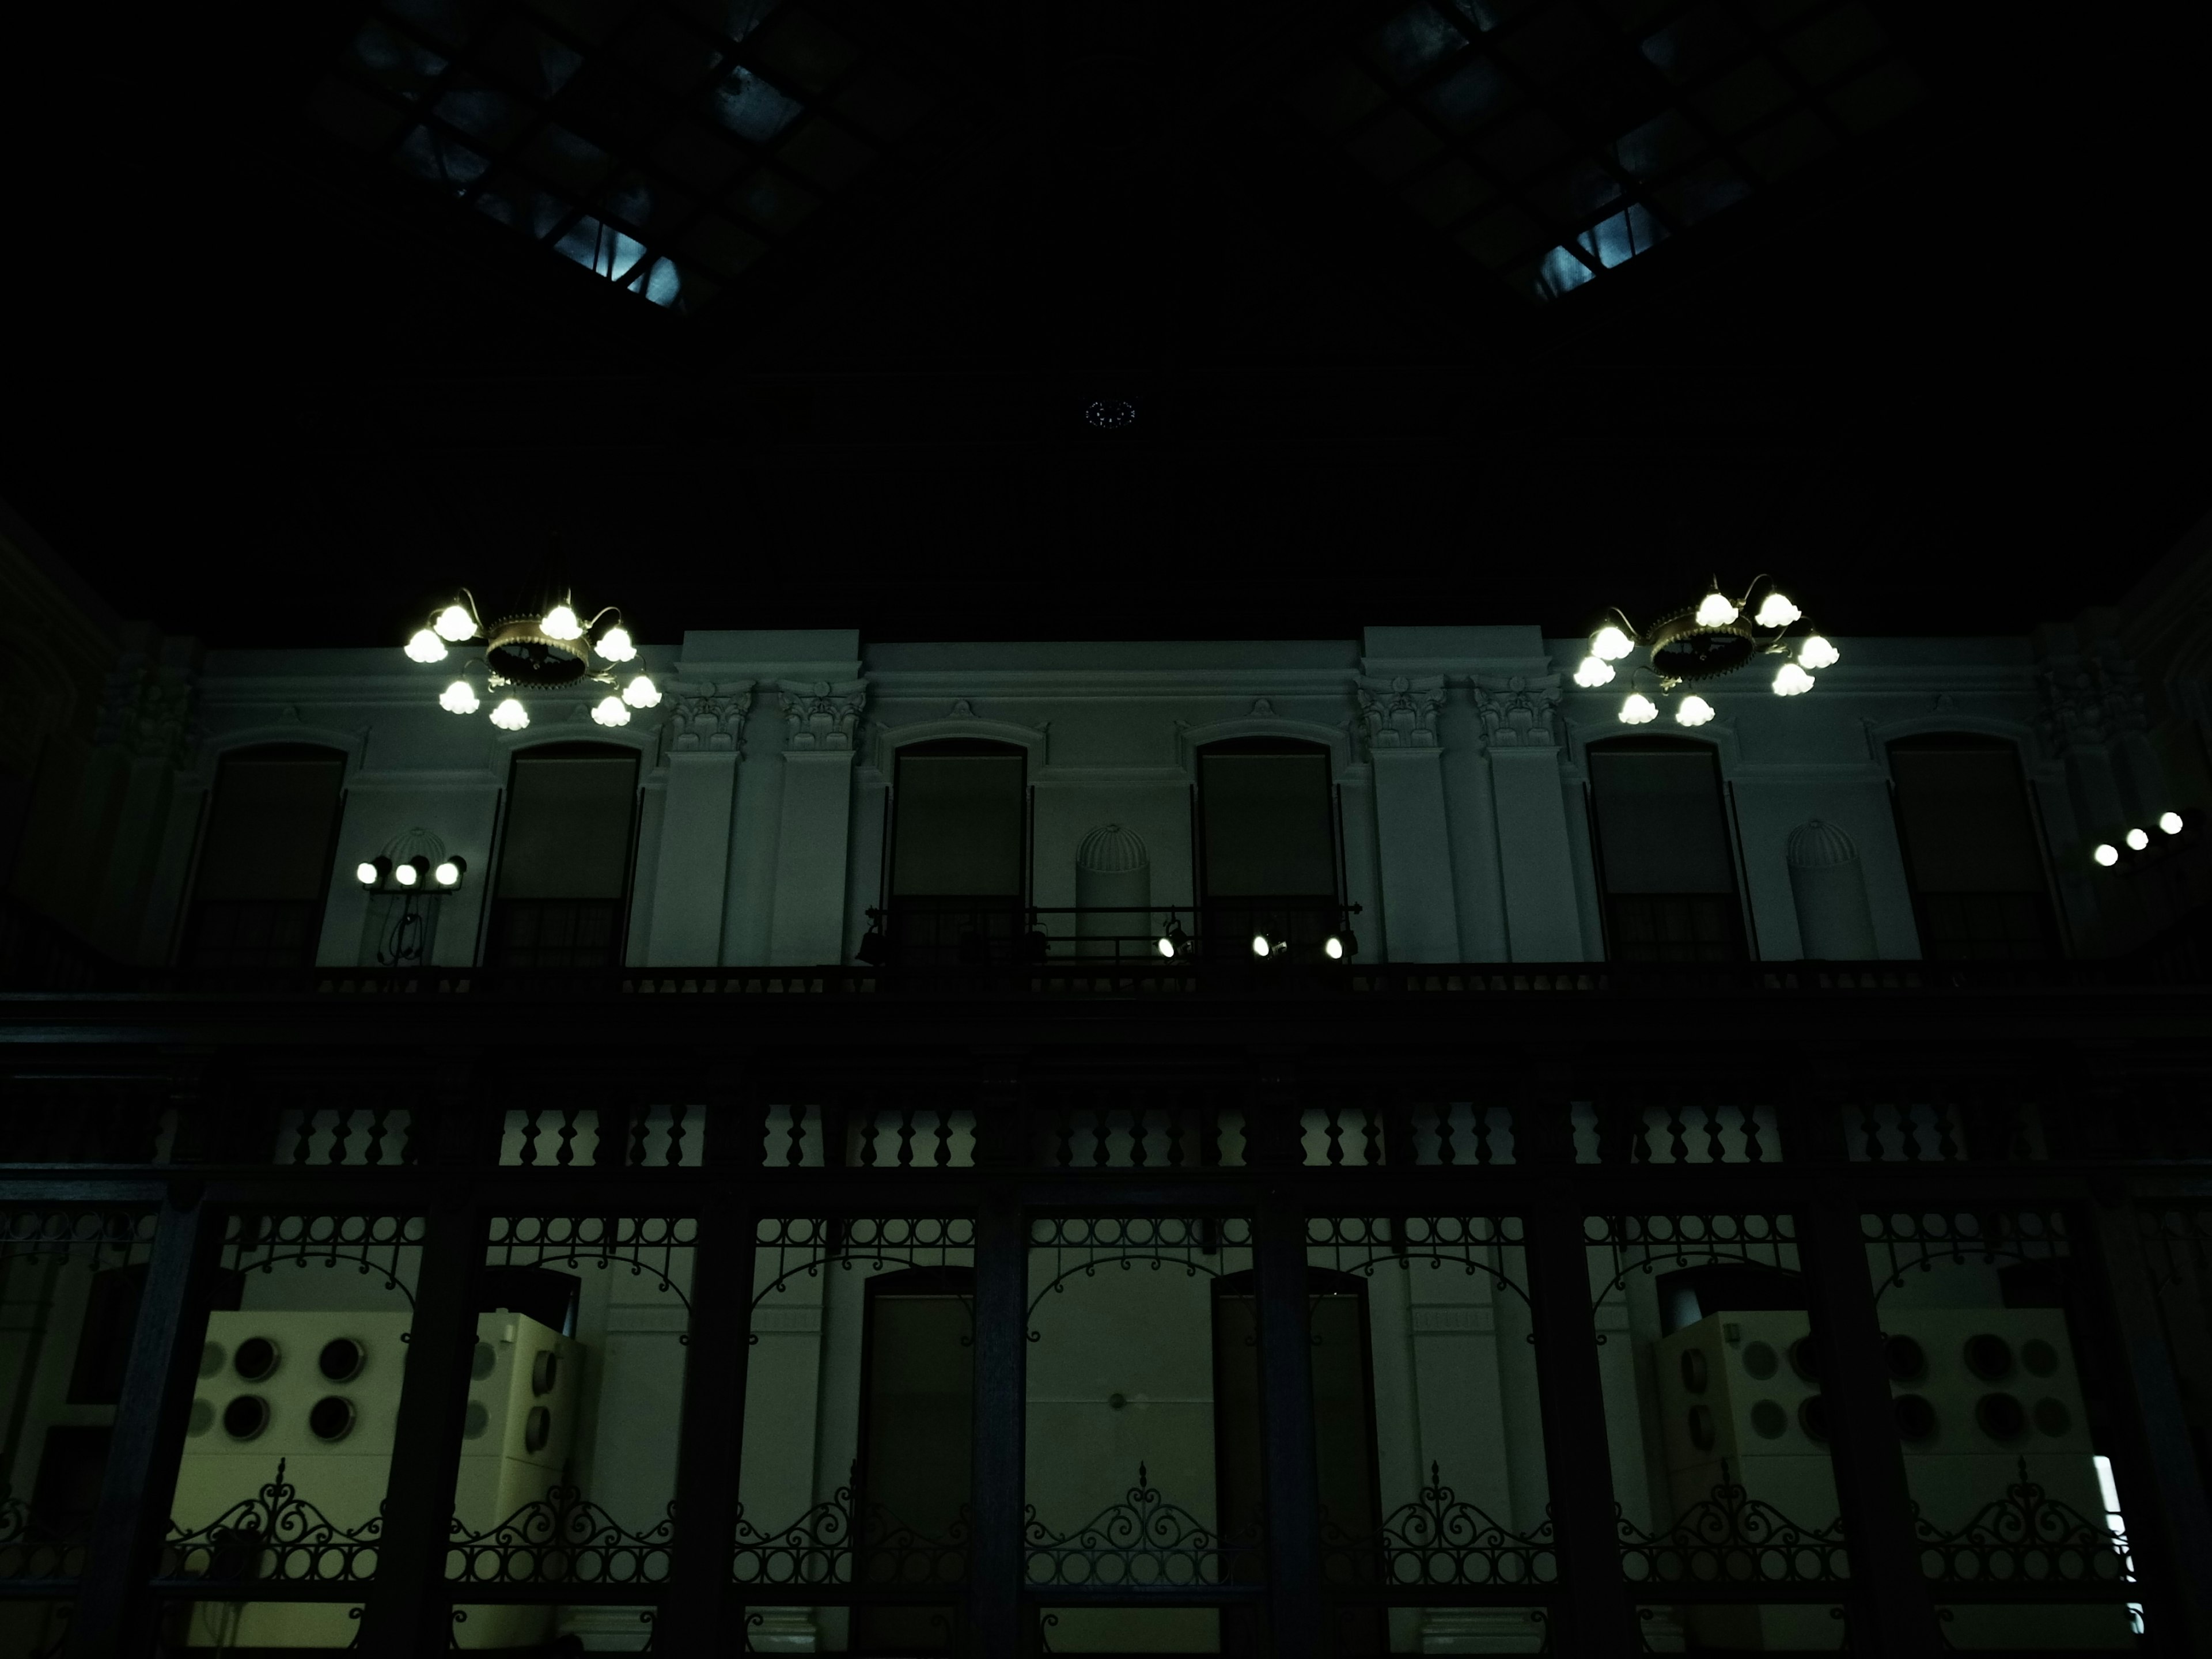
(822, 720)
(1421, 915)
(1520, 720)
(706, 740)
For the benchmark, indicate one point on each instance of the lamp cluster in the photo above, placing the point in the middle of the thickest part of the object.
(541, 651)
(1704, 642)
(1266, 946)
(416, 874)
(2136, 840)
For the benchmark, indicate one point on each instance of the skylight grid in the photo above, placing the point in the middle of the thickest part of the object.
(661, 153)
(1556, 140)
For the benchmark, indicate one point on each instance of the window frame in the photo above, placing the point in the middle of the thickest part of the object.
(1746, 940)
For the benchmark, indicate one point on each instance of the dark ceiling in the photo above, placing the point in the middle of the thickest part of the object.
(790, 313)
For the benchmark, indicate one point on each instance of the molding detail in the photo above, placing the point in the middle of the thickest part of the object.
(824, 714)
(2088, 701)
(705, 716)
(1519, 711)
(146, 713)
(1401, 713)
(962, 710)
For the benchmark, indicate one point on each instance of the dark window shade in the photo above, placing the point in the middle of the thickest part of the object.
(568, 827)
(269, 826)
(1970, 848)
(917, 1432)
(1268, 827)
(1661, 827)
(959, 825)
(1965, 820)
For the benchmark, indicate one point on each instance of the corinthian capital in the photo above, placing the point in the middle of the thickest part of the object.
(1401, 713)
(1519, 711)
(706, 716)
(823, 714)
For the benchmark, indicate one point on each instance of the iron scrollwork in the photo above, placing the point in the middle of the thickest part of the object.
(2024, 1537)
(276, 1536)
(824, 1547)
(1439, 1539)
(561, 1538)
(1143, 1542)
(1731, 1537)
(30, 1548)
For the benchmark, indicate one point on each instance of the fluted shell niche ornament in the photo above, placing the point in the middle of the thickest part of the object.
(1113, 882)
(1834, 922)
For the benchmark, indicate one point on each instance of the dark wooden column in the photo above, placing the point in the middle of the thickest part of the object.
(409, 1608)
(2169, 1528)
(995, 1624)
(1889, 1605)
(115, 1615)
(1273, 1139)
(1595, 1616)
(699, 1615)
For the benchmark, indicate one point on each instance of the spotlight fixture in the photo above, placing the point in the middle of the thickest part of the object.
(532, 651)
(1339, 946)
(410, 873)
(372, 872)
(1266, 944)
(874, 949)
(450, 872)
(2171, 823)
(2106, 854)
(1173, 942)
(1704, 642)
(2138, 839)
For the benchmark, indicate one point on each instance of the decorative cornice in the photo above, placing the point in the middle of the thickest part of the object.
(146, 712)
(1519, 711)
(709, 716)
(1401, 713)
(823, 715)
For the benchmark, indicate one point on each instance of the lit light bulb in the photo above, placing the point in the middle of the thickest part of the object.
(365, 873)
(426, 647)
(2106, 854)
(459, 698)
(1693, 710)
(2170, 821)
(510, 715)
(616, 644)
(641, 693)
(454, 623)
(609, 711)
(1790, 680)
(1165, 946)
(1594, 672)
(2138, 839)
(1817, 653)
(448, 873)
(1714, 610)
(560, 623)
(405, 874)
(1334, 948)
(1260, 945)
(1610, 644)
(1775, 612)
(1639, 710)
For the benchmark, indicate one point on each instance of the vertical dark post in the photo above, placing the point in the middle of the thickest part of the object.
(1890, 1609)
(115, 1615)
(1594, 1616)
(2170, 1530)
(699, 1615)
(409, 1609)
(994, 1555)
(1272, 1138)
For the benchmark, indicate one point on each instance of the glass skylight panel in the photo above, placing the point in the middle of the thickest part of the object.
(752, 108)
(1415, 41)
(1472, 92)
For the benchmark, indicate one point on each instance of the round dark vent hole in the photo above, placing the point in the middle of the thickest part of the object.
(1693, 1371)
(246, 1417)
(340, 1359)
(1907, 1359)
(2000, 1417)
(256, 1358)
(1813, 1417)
(1989, 1356)
(1804, 1360)
(1916, 1417)
(545, 1372)
(330, 1418)
(1760, 1361)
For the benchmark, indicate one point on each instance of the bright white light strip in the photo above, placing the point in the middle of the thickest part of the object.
(2109, 1491)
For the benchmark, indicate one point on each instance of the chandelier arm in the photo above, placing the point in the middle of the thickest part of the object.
(613, 609)
(1626, 623)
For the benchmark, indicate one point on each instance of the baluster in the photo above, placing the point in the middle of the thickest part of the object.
(1908, 1125)
(304, 1128)
(1716, 1149)
(942, 1159)
(1141, 1128)
(1209, 1134)
(635, 1117)
(906, 1137)
(529, 1158)
(1177, 1116)
(1754, 1150)
(1370, 1133)
(1397, 1117)
(1447, 1153)
(795, 1153)
(1946, 1140)
(677, 1112)
(1332, 1117)
(1678, 1144)
(1101, 1125)
(375, 1153)
(1063, 1150)
(565, 1155)
(1485, 1154)
(1870, 1126)
(860, 1123)
(342, 1135)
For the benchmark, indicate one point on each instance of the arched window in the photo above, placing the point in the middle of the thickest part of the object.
(266, 858)
(917, 1436)
(1666, 856)
(1971, 849)
(562, 894)
(1343, 1427)
(959, 851)
(1267, 856)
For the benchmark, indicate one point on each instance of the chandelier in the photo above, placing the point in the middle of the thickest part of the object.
(1703, 642)
(530, 651)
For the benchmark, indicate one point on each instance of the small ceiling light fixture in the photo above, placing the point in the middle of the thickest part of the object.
(2106, 854)
(2138, 839)
(537, 650)
(2171, 823)
(1704, 642)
